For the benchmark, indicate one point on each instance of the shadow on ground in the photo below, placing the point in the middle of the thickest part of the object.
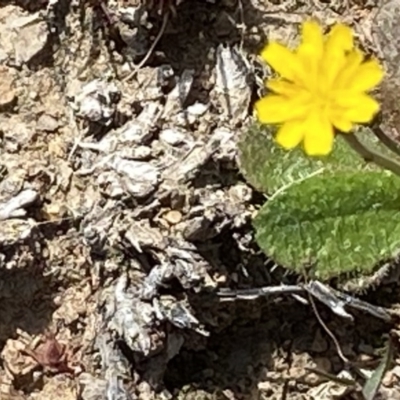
(261, 347)
(26, 301)
(268, 347)
(192, 37)
(27, 291)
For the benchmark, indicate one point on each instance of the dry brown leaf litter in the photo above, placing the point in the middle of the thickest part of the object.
(122, 210)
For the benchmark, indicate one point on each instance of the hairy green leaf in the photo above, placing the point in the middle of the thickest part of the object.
(268, 167)
(336, 223)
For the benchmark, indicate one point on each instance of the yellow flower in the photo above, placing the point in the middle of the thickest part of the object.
(322, 86)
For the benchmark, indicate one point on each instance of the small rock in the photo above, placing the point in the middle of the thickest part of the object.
(142, 177)
(172, 137)
(134, 132)
(17, 132)
(22, 35)
(96, 101)
(14, 207)
(8, 96)
(47, 123)
(240, 193)
(173, 217)
(15, 230)
(198, 109)
(185, 119)
(198, 229)
(31, 39)
(34, 95)
(136, 153)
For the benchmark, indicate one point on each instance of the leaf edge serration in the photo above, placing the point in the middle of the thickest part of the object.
(352, 256)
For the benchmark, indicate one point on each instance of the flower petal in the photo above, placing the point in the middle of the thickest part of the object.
(362, 109)
(341, 123)
(312, 34)
(284, 87)
(275, 109)
(282, 60)
(290, 134)
(310, 52)
(366, 76)
(319, 135)
(353, 61)
(312, 44)
(339, 41)
(356, 107)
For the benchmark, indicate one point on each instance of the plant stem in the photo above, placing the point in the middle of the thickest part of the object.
(372, 156)
(385, 139)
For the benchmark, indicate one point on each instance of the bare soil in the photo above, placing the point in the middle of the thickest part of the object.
(123, 212)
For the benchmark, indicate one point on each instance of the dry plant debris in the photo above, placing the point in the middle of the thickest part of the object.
(122, 210)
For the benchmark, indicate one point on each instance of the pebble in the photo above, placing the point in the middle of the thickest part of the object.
(172, 137)
(173, 217)
(31, 39)
(96, 101)
(47, 123)
(143, 177)
(8, 95)
(22, 36)
(198, 109)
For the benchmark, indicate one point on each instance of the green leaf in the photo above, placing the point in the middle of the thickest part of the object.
(372, 385)
(268, 167)
(337, 223)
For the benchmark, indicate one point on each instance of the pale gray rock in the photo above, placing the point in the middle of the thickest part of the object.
(96, 101)
(22, 36)
(140, 178)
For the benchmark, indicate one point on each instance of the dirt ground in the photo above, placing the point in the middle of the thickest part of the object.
(123, 212)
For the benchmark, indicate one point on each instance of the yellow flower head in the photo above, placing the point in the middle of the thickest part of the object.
(322, 86)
